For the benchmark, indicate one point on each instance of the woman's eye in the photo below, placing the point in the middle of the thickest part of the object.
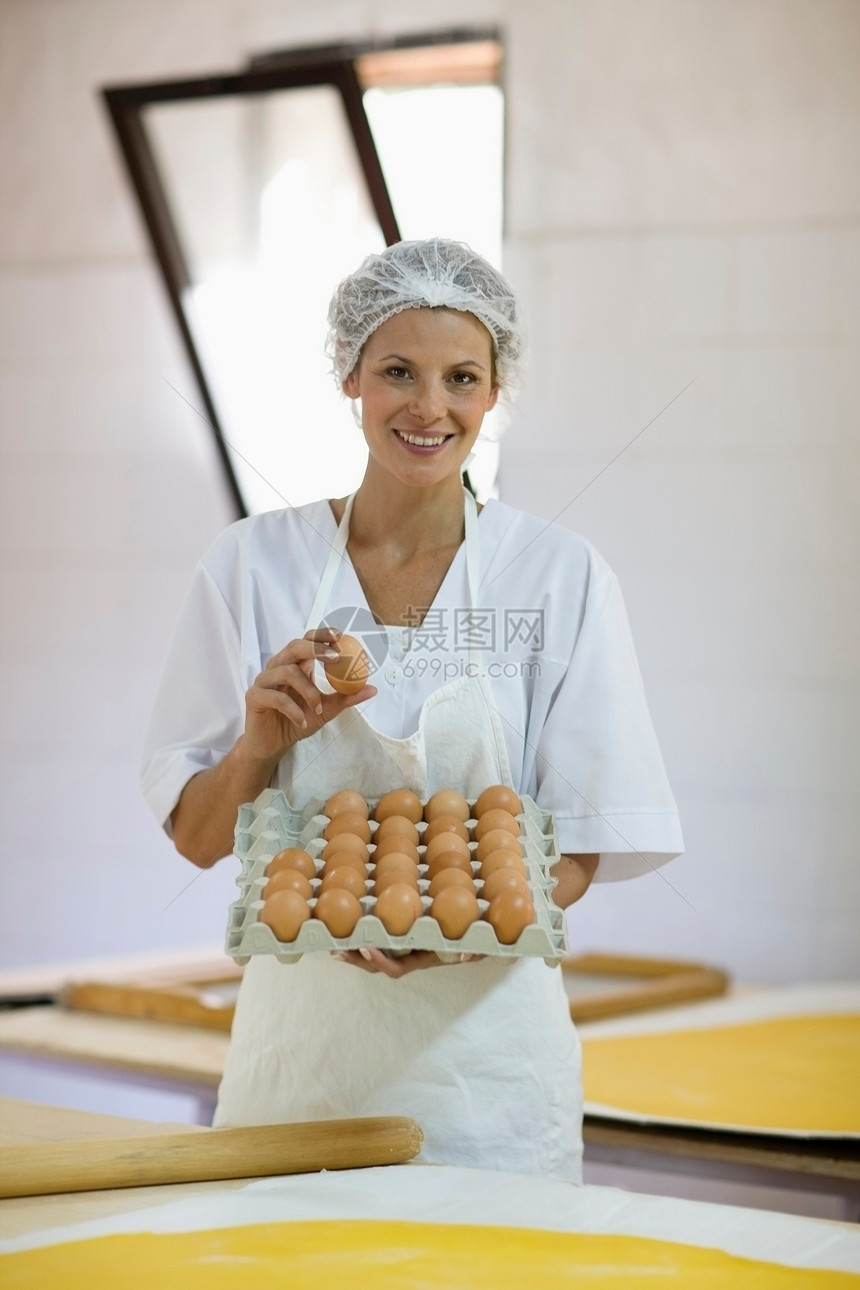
(398, 373)
(463, 378)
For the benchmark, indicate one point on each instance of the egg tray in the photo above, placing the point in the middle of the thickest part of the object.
(270, 824)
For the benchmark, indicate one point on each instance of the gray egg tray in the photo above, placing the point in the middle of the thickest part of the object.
(270, 824)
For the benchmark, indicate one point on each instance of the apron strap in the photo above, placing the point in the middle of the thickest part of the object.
(338, 548)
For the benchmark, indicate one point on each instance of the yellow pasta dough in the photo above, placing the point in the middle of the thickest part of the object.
(790, 1074)
(394, 1256)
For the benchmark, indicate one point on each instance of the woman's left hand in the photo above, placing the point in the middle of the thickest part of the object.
(371, 960)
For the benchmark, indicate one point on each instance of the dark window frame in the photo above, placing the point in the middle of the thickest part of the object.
(335, 66)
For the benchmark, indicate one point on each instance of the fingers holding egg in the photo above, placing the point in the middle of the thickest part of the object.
(350, 671)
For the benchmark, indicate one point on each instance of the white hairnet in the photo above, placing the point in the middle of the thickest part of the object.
(436, 274)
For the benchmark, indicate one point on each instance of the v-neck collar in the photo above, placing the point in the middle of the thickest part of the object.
(441, 594)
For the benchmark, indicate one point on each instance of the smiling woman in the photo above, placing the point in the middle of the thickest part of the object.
(424, 336)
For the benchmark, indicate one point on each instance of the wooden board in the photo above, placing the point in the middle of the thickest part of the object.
(609, 985)
(193, 1002)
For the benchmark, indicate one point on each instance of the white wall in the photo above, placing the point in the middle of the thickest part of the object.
(684, 201)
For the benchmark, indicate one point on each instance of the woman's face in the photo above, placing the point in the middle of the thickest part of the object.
(425, 380)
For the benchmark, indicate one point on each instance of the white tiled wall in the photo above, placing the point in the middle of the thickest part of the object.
(684, 211)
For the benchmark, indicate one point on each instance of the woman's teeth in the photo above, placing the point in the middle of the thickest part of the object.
(421, 441)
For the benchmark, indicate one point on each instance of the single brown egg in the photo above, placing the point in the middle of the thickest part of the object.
(496, 819)
(346, 842)
(447, 802)
(450, 878)
(397, 908)
(446, 824)
(446, 842)
(497, 840)
(285, 912)
(349, 879)
(288, 880)
(503, 880)
(339, 910)
(346, 799)
(397, 826)
(347, 822)
(498, 797)
(394, 843)
(292, 858)
(449, 860)
(345, 860)
(509, 913)
(455, 910)
(349, 672)
(383, 880)
(400, 801)
(398, 860)
(503, 860)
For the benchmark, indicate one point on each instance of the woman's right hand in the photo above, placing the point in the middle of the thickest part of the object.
(284, 705)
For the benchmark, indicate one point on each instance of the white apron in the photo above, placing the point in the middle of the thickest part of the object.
(482, 1055)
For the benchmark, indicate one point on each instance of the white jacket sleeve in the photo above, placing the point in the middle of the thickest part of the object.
(598, 764)
(199, 709)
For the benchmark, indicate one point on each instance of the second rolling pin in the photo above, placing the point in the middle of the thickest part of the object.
(43, 1168)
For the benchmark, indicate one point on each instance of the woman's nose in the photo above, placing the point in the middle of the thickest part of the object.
(427, 404)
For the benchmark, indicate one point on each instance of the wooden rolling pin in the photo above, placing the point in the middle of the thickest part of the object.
(42, 1168)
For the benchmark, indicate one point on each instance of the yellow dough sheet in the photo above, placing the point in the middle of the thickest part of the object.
(394, 1256)
(790, 1074)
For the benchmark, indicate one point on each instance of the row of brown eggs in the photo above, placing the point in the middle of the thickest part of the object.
(403, 802)
(398, 907)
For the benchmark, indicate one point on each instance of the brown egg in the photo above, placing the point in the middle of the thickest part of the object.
(345, 860)
(503, 880)
(339, 910)
(496, 820)
(447, 802)
(400, 801)
(497, 840)
(284, 913)
(347, 822)
(292, 858)
(449, 860)
(446, 824)
(398, 860)
(509, 913)
(397, 826)
(455, 910)
(498, 797)
(288, 880)
(346, 800)
(346, 842)
(450, 878)
(383, 880)
(446, 842)
(348, 879)
(350, 672)
(393, 843)
(397, 908)
(503, 860)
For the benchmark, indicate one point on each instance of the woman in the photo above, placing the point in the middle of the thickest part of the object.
(508, 659)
